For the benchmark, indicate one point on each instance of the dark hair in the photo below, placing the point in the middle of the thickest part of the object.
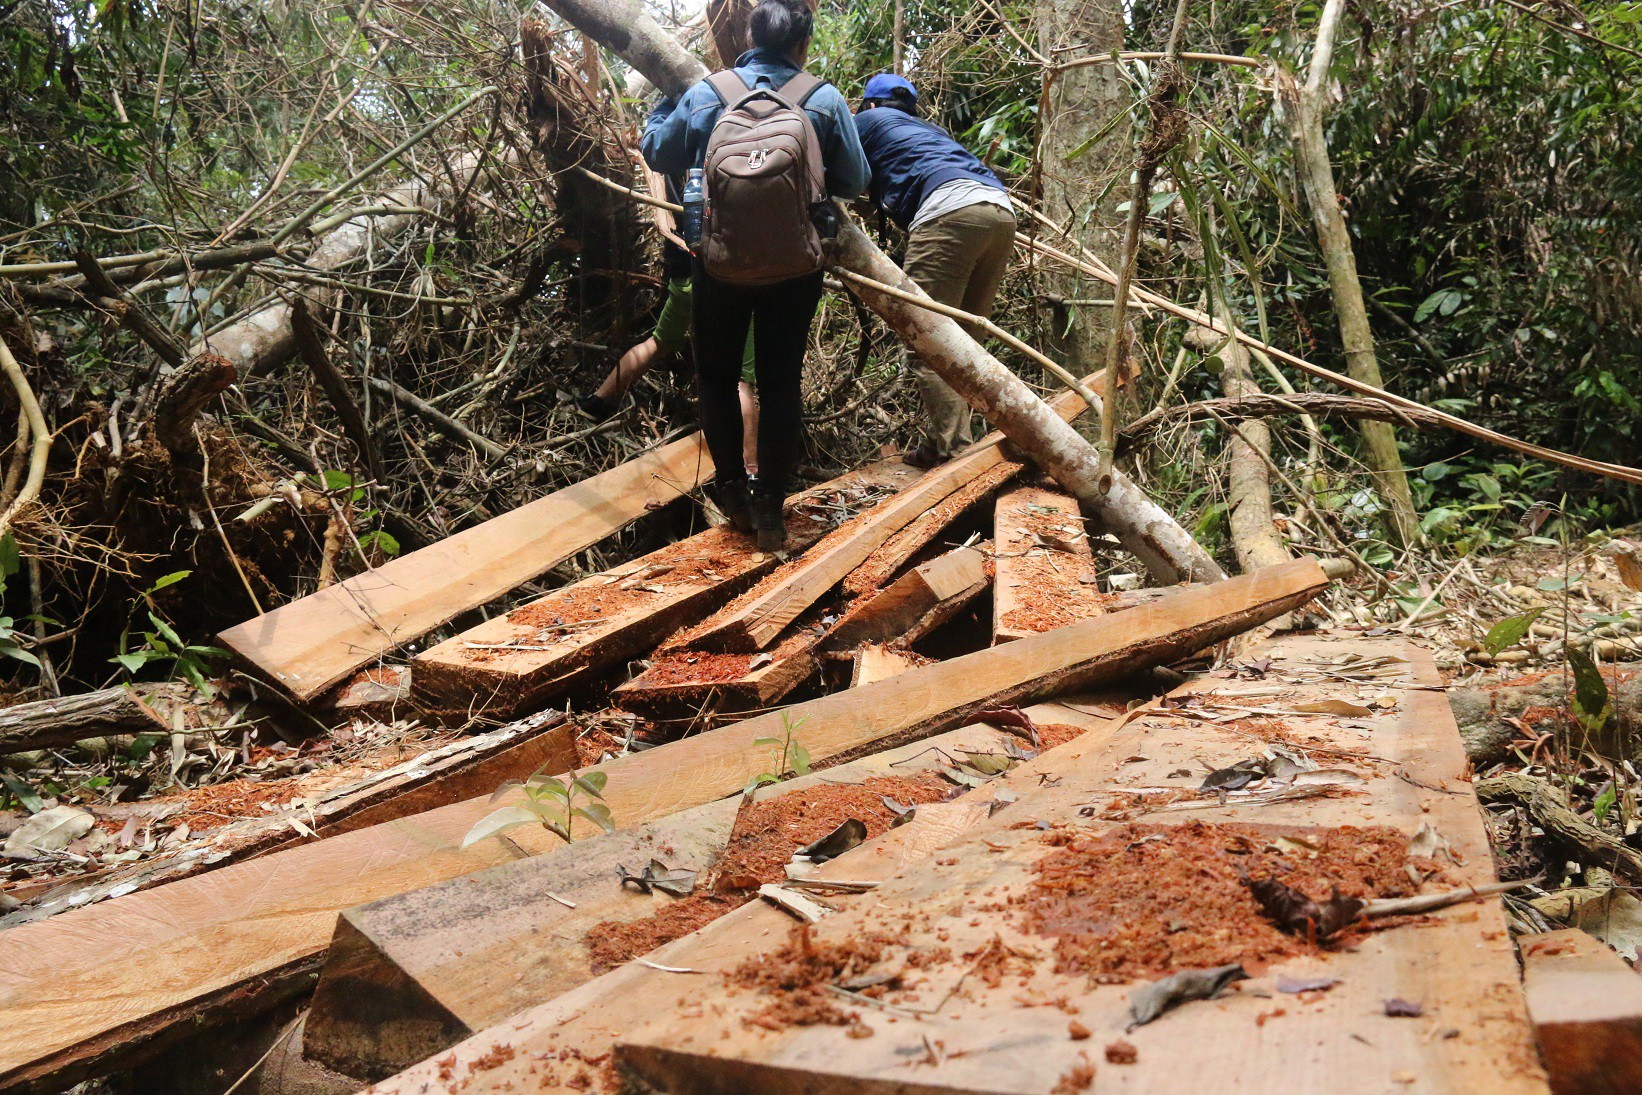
(781, 25)
(900, 99)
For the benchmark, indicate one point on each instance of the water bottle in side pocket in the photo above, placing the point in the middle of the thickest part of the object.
(695, 205)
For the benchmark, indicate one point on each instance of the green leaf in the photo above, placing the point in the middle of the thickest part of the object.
(758, 781)
(767, 741)
(11, 559)
(800, 760)
(1551, 585)
(593, 782)
(130, 662)
(1604, 802)
(169, 580)
(1510, 631)
(495, 824)
(336, 480)
(22, 792)
(599, 814)
(1591, 703)
(12, 650)
(166, 630)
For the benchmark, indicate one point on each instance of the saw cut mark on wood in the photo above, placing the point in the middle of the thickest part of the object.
(1044, 570)
(67, 719)
(205, 938)
(312, 643)
(582, 1023)
(1586, 1003)
(523, 658)
(915, 603)
(1456, 964)
(411, 975)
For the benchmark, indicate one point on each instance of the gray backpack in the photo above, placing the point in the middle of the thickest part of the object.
(764, 177)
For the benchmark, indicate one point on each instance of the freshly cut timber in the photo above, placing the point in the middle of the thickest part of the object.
(696, 683)
(876, 662)
(313, 642)
(264, 923)
(67, 719)
(882, 565)
(1044, 571)
(915, 603)
(1036, 934)
(581, 1025)
(932, 503)
(1586, 1003)
(410, 975)
(527, 656)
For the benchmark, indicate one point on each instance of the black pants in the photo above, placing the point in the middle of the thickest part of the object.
(722, 312)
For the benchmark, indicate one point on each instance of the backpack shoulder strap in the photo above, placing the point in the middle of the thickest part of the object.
(729, 87)
(800, 87)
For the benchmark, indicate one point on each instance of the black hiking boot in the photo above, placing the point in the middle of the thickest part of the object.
(596, 407)
(734, 500)
(925, 456)
(769, 522)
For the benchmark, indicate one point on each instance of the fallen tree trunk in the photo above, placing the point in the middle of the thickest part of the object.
(1548, 805)
(1165, 548)
(68, 719)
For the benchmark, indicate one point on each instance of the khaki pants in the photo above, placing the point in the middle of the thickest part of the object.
(958, 259)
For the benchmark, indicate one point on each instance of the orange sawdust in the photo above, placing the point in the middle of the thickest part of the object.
(761, 844)
(1143, 901)
(1058, 733)
(219, 803)
(794, 979)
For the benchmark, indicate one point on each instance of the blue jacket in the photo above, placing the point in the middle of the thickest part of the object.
(910, 158)
(675, 137)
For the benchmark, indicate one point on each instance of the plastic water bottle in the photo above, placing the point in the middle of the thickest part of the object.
(695, 204)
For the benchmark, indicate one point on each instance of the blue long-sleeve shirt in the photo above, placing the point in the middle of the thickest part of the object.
(911, 159)
(675, 137)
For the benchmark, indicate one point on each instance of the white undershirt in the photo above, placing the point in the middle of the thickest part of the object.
(957, 194)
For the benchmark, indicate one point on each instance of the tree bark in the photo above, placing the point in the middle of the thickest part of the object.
(1254, 536)
(260, 341)
(1145, 530)
(311, 346)
(68, 719)
(1076, 182)
(1305, 109)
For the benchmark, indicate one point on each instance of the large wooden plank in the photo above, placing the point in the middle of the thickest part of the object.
(1586, 1005)
(757, 622)
(313, 642)
(582, 1024)
(1044, 571)
(203, 937)
(410, 975)
(903, 609)
(974, 1031)
(522, 659)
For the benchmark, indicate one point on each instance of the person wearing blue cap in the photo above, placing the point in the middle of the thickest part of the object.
(960, 232)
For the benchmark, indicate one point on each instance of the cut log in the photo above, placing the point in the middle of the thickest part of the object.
(698, 684)
(916, 602)
(313, 642)
(1586, 1004)
(581, 1024)
(409, 976)
(1148, 532)
(1044, 570)
(884, 564)
(67, 719)
(515, 661)
(874, 662)
(959, 917)
(757, 621)
(264, 922)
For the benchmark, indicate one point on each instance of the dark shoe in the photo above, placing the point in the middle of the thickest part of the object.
(769, 522)
(926, 456)
(734, 499)
(596, 407)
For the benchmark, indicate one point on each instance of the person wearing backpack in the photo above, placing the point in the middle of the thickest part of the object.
(960, 232)
(772, 144)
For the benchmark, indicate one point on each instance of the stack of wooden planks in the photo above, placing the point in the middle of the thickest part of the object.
(1008, 949)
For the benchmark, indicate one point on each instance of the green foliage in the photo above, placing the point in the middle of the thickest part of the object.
(1592, 705)
(550, 802)
(787, 754)
(1510, 631)
(164, 647)
(12, 640)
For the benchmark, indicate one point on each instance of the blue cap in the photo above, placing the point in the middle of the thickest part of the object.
(883, 86)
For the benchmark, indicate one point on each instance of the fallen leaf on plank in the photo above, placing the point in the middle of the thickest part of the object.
(1150, 1001)
(1305, 984)
(1332, 707)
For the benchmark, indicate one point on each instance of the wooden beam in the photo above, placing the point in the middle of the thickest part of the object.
(1586, 1004)
(883, 565)
(411, 975)
(205, 938)
(952, 909)
(581, 1024)
(875, 662)
(67, 719)
(916, 602)
(698, 683)
(525, 657)
(1044, 569)
(313, 642)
